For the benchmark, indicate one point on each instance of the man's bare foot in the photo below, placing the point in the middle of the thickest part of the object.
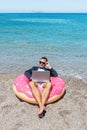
(41, 109)
(41, 112)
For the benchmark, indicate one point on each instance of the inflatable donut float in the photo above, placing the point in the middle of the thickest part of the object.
(23, 91)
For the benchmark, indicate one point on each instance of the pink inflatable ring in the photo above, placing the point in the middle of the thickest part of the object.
(22, 90)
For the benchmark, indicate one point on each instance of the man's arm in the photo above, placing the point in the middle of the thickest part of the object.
(52, 71)
(28, 73)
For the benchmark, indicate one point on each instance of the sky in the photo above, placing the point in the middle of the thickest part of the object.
(43, 6)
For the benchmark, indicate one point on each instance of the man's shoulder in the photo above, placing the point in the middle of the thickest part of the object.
(35, 67)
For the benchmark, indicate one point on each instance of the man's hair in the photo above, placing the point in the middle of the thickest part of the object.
(44, 58)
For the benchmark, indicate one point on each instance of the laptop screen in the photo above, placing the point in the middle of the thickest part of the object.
(41, 76)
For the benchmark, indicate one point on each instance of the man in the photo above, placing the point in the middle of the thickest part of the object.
(41, 98)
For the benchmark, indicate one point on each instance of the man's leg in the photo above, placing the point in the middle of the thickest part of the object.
(46, 91)
(37, 96)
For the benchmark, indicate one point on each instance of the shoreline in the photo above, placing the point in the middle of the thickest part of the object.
(65, 77)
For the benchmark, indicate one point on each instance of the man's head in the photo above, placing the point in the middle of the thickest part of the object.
(43, 61)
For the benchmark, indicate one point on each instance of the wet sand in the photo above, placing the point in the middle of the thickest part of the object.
(69, 113)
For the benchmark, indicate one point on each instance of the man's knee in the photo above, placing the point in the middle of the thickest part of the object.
(49, 85)
(32, 83)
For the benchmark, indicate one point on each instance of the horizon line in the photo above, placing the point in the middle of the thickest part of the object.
(40, 12)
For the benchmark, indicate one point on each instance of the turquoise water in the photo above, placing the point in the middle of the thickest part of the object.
(24, 38)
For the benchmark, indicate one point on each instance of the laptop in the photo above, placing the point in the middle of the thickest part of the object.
(41, 76)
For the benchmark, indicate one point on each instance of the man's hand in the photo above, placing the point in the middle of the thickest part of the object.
(48, 65)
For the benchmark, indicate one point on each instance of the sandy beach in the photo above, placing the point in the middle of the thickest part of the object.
(69, 113)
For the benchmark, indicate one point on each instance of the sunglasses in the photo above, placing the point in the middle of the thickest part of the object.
(40, 62)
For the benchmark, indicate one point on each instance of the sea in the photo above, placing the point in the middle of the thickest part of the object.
(61, 37)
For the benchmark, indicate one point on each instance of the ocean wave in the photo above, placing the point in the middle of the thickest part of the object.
(75, 74)
(39, 20)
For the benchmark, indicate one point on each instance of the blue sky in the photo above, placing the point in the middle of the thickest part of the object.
(43, 6)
